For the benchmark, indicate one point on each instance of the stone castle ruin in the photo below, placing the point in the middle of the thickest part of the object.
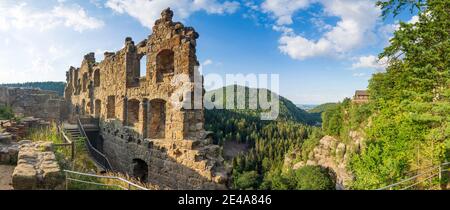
(142, 130)
(47, 105)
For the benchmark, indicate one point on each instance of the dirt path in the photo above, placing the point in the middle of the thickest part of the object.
(6, 172)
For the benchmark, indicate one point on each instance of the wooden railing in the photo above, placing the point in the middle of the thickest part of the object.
(68, 142)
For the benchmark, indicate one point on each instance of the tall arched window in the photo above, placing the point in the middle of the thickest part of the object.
(164, 64)
(97, 78)
(85, 82)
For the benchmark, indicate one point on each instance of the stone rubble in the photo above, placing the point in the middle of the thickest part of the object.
(37, 167)
(19, 129)
(24, 102)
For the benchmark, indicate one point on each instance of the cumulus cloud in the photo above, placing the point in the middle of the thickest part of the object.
(371, 62)
(357, 23)
(148, 11)
(21, 16)
(283, 10)
(76, 17)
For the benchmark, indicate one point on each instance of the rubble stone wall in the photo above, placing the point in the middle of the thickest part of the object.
(33, 102)
(142, 122)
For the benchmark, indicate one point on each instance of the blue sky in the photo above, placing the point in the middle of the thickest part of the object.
(323, 50)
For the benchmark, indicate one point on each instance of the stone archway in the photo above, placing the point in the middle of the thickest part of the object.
(140, 170)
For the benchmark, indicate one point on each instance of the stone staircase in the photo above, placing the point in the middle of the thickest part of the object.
(72, 132)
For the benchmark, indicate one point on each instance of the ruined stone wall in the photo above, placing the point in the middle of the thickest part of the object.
(142, 120)
(33, 102)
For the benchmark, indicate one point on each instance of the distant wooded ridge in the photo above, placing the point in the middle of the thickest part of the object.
(52, 86)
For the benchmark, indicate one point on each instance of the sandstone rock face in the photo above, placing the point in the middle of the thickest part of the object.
(146, 128)
(33, 102)
(332, 154)
(37, 167)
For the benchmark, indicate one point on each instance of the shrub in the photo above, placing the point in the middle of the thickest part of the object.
(314, 178)
(247, 180)
(6, 113)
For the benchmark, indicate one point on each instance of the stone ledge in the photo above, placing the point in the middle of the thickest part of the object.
(37, 167)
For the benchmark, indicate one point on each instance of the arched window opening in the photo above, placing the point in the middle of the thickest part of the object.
(97, 78)
(85, 82)
(140, 170)
(165, 64)
(143, 66)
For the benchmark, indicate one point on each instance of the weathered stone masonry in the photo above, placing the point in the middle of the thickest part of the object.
(33, 102)
(145, 133)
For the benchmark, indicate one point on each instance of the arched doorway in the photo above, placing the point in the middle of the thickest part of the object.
(140, 170)
(157, 119)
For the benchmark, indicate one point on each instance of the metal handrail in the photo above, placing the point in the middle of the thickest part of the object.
(129, 184)
(430, 170)
(94, 152)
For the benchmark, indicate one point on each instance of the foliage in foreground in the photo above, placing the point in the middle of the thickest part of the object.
(6, 113)
(410, 128)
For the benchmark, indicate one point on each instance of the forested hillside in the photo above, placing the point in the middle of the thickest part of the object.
(269, 141)
(407, 122)
(53, 86)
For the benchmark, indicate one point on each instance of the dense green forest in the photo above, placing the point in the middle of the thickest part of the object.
(407, 122)
(53, 86)
(321, 108)
(269, 141)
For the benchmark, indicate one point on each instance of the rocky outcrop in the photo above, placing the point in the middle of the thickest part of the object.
(37, 167)
(333, 154)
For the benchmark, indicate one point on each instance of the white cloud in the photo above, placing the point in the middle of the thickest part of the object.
(76, 17)
(358, 21)
(359, 74)
(21, 16)
(148, 11)
(40, 52)
(283, 10)
(207, 62)
(414, 19)
(371, 62)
